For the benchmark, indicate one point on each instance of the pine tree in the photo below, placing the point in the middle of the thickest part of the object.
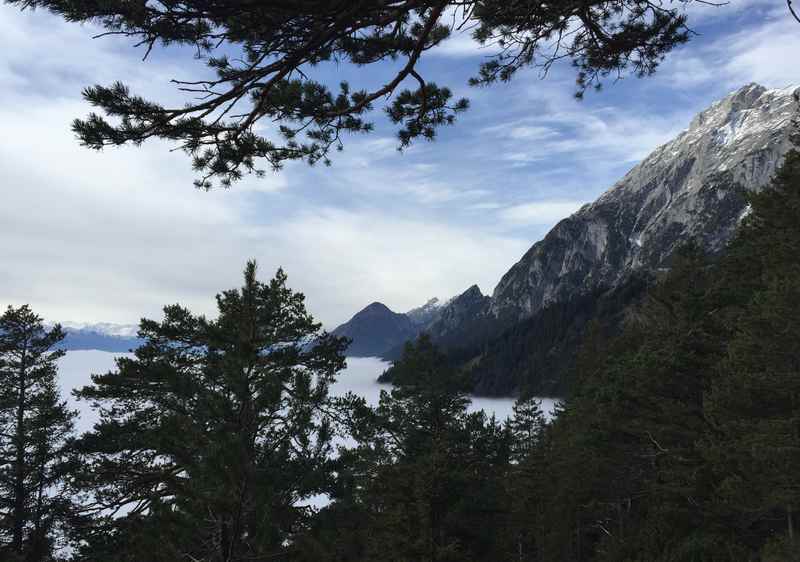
(620, 476)
(681, 439)
(214, 434)
(527, 479)
(527, 427)
(428, 475)
(755, 402)
(36, 428)
(266, 57)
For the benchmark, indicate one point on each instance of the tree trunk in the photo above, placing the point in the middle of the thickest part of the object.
(19, 463)
(790, 523)
(38, 548)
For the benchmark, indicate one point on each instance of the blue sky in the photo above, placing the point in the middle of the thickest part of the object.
(114, 236)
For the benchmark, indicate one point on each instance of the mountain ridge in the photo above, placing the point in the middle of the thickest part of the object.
(679, 191)
(693, 187)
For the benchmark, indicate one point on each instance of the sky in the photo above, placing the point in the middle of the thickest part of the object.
(113, 236)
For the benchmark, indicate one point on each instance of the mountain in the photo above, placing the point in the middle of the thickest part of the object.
(105, 328)
(595, 264)
(690, 188)
(115, 338)
(458, 310)
(427, 313)
(457, 323)
(376, 329)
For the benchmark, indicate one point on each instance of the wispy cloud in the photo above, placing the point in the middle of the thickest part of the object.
(539, 212)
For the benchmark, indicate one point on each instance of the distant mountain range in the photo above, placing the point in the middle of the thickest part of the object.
(115, 338)
(596, 262)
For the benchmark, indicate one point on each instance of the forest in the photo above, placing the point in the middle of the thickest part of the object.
(678, 440)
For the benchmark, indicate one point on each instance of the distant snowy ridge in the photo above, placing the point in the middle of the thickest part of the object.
(105, 328)
(101, 336)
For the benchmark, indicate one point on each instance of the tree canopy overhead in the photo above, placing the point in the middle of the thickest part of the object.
(273, 78)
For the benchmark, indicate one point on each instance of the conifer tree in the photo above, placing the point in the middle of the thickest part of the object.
(264, 57)
(527, 427)
(681, 439)
(428, 475)
(215, 433)
(36, 428)
(755, 402)
(527, 479)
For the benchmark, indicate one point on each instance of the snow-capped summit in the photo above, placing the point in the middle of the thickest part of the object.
(101, 336)
(104, 328)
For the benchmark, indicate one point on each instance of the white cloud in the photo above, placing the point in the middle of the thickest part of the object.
(539, 212)
(768, 55)
(346, 259)
(461, 44)
(761, 46)
(583, 134)
(116, 235)
(709, 12)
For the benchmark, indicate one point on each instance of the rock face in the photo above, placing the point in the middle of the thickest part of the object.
(376, 329)
(457, 311)
(460, 322)
(427, 313)
(683, 190)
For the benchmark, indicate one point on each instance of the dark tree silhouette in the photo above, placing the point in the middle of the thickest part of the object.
(35, 438)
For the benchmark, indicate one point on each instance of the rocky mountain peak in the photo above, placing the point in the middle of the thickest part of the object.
(459, 310)
(426, 313)
(687, 188)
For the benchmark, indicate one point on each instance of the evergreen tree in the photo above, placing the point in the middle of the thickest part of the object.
(215, 433)
(35, 437)
(265, 56)
(528, 477)
(623, 479)
(427, 475)
(527, 427)
(755, 403)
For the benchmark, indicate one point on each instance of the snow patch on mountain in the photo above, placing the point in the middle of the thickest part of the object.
(104, 328)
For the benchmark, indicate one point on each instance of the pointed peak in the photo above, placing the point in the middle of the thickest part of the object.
(376, 307)
(473, 291)
(747, 95)
(750, 88)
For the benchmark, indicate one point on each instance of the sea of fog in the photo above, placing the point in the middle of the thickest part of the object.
(360, 377)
